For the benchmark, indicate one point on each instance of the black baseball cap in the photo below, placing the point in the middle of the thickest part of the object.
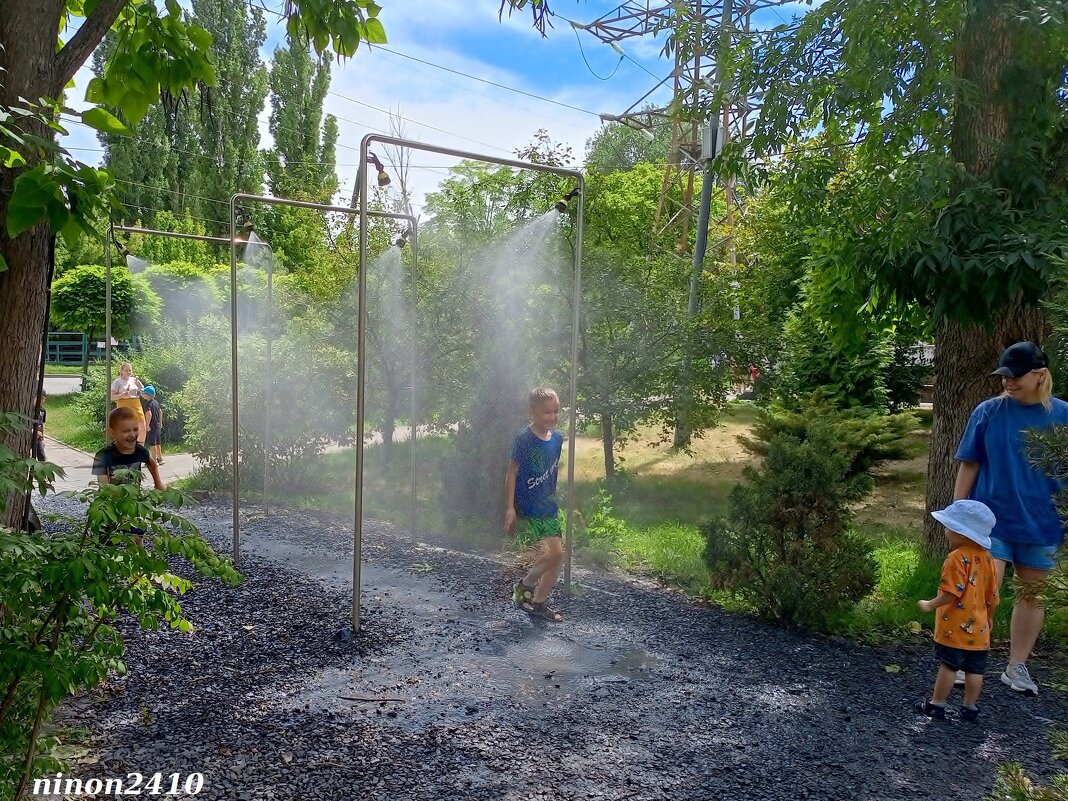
(1020, 359)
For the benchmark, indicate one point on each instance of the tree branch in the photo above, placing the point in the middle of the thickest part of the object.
(91, 33)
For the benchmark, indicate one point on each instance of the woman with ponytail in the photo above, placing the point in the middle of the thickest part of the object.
(994, 469)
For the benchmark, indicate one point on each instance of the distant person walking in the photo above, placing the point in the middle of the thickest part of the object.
(38, 430)
(153, 423)
(530, 503)
(994, 469)
(126, 392)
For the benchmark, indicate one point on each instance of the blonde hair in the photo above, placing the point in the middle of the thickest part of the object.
(119, 414)
(539, 394)
(126, 364)
(1045, 388)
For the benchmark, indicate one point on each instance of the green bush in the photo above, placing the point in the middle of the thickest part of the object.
(60, 593)
(786, 547)
(311, 405)
(864, 437)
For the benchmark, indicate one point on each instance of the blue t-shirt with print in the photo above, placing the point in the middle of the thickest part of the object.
(535, 481)
(1020, 496)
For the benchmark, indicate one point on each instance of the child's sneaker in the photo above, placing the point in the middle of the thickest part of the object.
(970, 714)
(931, 710)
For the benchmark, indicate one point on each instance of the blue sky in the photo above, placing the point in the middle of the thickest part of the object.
(466, 36)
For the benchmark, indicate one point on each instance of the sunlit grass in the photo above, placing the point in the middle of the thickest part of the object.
(67, 424)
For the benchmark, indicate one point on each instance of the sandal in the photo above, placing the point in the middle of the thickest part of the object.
(543, 610)
(522, 594)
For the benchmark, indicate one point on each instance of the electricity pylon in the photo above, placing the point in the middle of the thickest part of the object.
(695, 33)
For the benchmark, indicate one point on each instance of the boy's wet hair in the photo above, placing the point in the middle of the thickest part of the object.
(120, 413)
(539, 394)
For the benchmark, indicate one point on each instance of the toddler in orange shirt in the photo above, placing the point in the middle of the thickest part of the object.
(964, 607)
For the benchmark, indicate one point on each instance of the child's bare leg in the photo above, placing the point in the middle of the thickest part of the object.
(552, 560)
(943, 685)
(973, 687)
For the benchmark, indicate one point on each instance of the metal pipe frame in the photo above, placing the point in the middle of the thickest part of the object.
(360, 345)
(576, 302)
(112, 228)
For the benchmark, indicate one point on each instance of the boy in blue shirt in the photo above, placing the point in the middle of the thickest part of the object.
(530, 502)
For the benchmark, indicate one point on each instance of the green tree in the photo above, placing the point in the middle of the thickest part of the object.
(634, 327)
(620, 147)
(43, 191)
(79, 303)
(301, 163)
(958, 115)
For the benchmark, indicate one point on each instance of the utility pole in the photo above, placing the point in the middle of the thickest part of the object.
(701, 32)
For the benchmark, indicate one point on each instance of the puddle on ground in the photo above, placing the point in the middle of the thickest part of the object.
(538, 673)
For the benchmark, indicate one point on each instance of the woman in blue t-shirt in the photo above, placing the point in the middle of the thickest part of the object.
(994, 469)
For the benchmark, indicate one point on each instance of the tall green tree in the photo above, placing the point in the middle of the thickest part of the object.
(301, 163)
(960, 119)
(191, 162)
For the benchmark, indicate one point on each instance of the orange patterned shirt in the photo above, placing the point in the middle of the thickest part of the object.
(965, 623)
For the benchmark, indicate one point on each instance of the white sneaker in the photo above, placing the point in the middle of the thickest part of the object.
(1017, 677)
(958, 680)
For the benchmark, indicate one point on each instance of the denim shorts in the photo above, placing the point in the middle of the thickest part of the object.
(959, 659)
(1024, 554)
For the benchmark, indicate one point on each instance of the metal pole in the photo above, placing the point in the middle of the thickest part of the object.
(684, 426)
(233, 382)
(267, 393)
(522, 165)
(360, 351)
(361, 379)
(576, 303)
(413, 438)
(107, 325)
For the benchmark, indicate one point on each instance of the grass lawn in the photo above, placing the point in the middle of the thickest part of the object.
(660, 497)
(63, 369)
(68, 425)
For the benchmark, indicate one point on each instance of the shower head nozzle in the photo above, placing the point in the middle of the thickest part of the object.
(383, 176)
(562, 204)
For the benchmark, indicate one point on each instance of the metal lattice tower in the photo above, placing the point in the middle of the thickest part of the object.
(696, 31)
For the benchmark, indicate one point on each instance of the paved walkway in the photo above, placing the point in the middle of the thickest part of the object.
(78, 465)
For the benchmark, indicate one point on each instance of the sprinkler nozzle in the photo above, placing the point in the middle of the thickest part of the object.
(383, 176)
(402, 240)
(562, 203)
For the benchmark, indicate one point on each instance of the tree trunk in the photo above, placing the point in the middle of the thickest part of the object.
(965, 354)
(28, 39)
(608, 440)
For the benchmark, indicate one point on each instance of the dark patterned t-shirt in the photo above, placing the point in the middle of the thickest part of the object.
(111, 459)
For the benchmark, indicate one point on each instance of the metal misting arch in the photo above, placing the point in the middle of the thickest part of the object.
(361, 341)
(235, 201)
(233, 241)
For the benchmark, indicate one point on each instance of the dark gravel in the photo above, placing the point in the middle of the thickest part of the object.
(638, 695)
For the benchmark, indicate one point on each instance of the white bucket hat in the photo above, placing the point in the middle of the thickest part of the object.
(970, 519)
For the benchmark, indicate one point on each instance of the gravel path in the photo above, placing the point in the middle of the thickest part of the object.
(638, 695)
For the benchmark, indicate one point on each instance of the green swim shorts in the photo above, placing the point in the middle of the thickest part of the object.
(532, 530)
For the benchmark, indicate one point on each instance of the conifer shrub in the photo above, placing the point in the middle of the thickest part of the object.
(786, 547)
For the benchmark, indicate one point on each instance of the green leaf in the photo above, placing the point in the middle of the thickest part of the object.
(34, 191)
(376, 34)
(199, 37)
(105, 121)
